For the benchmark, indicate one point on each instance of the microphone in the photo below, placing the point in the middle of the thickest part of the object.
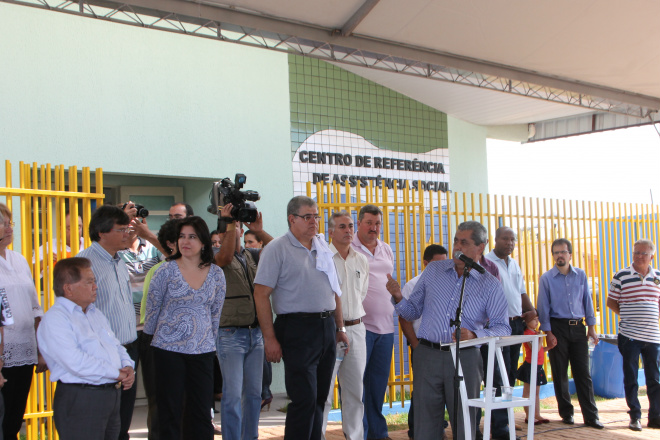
(469, 262)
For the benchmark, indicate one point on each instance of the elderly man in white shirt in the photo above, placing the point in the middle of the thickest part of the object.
(85, 358)
(353, 272)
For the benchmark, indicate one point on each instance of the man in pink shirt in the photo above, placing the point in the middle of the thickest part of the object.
(378, 321)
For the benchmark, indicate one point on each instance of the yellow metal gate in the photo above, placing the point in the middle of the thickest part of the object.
(602, 234)
(39, 208)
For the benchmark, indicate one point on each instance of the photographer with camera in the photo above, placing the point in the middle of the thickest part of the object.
(240, 346)
(143, 252)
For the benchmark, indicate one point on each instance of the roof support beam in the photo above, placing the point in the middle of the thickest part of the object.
(208, 20)
(357, 18)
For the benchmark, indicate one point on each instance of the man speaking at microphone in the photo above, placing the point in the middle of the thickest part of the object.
(435, 298)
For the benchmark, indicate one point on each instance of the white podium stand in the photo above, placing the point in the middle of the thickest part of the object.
(495, 345)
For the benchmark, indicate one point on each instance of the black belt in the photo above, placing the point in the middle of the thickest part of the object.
(115, 385)
(569, 321)
(514, 318)
(321, 315)
(241, 326)
(434, 345)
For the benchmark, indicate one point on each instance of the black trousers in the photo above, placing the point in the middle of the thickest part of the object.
(499, 418)
(511, 353)
(15, 393)
(128, 396)
(185, 394)
(308, 350)
(86, 413)
(149, 383)
(572, 347)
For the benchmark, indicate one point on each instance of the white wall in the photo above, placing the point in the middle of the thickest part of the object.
(467, 156)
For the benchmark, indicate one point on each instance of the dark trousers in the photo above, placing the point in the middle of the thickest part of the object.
(186, 377)
(511, 353)
(15, 394)
(217, 377)
(572, 347)
(499, 418)
(434, 390)
(149, 383)
(128, 396)
(267, 379)
(86, 413)
(631, 349)
(308, 351)
(411, 410)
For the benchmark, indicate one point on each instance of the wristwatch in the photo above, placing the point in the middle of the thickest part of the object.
(341, 329)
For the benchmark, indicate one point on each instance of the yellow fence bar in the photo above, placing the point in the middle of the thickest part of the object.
(43, 199)
(602, 235)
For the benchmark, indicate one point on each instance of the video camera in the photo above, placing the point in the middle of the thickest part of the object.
(226, 191)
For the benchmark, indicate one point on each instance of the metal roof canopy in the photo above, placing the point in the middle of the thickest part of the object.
(583, 76)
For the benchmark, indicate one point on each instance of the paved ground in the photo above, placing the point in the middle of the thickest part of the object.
(612, 414)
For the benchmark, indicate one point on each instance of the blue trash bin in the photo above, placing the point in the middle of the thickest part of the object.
(607, 370)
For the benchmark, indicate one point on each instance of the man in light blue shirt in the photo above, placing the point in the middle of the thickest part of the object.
(84, 356)
(564, 302)
(109, 231)
(435, 298)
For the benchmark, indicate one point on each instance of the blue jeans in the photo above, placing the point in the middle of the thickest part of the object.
(241, 356)
(376, 376)
(630, 349)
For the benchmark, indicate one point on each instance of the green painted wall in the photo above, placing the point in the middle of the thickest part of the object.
(135, 101)
(324, 96)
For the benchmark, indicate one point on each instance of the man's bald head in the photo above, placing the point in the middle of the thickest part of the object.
(505, 242)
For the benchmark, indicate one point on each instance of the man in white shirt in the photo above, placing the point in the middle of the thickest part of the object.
(353, 272)
(84, 357)
(513, 285)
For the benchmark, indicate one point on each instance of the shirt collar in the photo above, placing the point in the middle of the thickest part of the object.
(295, 242)
(70, 306)
(358, 243)
(555, 270)
(334, 250)
(648, 273)
(496, 258)
(103, 253)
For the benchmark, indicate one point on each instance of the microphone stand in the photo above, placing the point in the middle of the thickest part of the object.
(457, 377)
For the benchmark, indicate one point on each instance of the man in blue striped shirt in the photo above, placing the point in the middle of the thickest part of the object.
(109, 231)
(435, 298)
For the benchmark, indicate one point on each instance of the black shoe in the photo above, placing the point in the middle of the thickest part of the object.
(654, 423)
(635, 425)
(595, 423)
(568, 420)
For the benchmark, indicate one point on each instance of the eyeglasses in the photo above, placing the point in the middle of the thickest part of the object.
(123, 230)
(560, 252)
(308, 217)
(9, 224)
(642, 254)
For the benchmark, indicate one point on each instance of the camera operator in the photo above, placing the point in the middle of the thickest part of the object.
(240, 346)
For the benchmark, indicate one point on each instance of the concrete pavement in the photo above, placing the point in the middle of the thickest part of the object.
(612, 414)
